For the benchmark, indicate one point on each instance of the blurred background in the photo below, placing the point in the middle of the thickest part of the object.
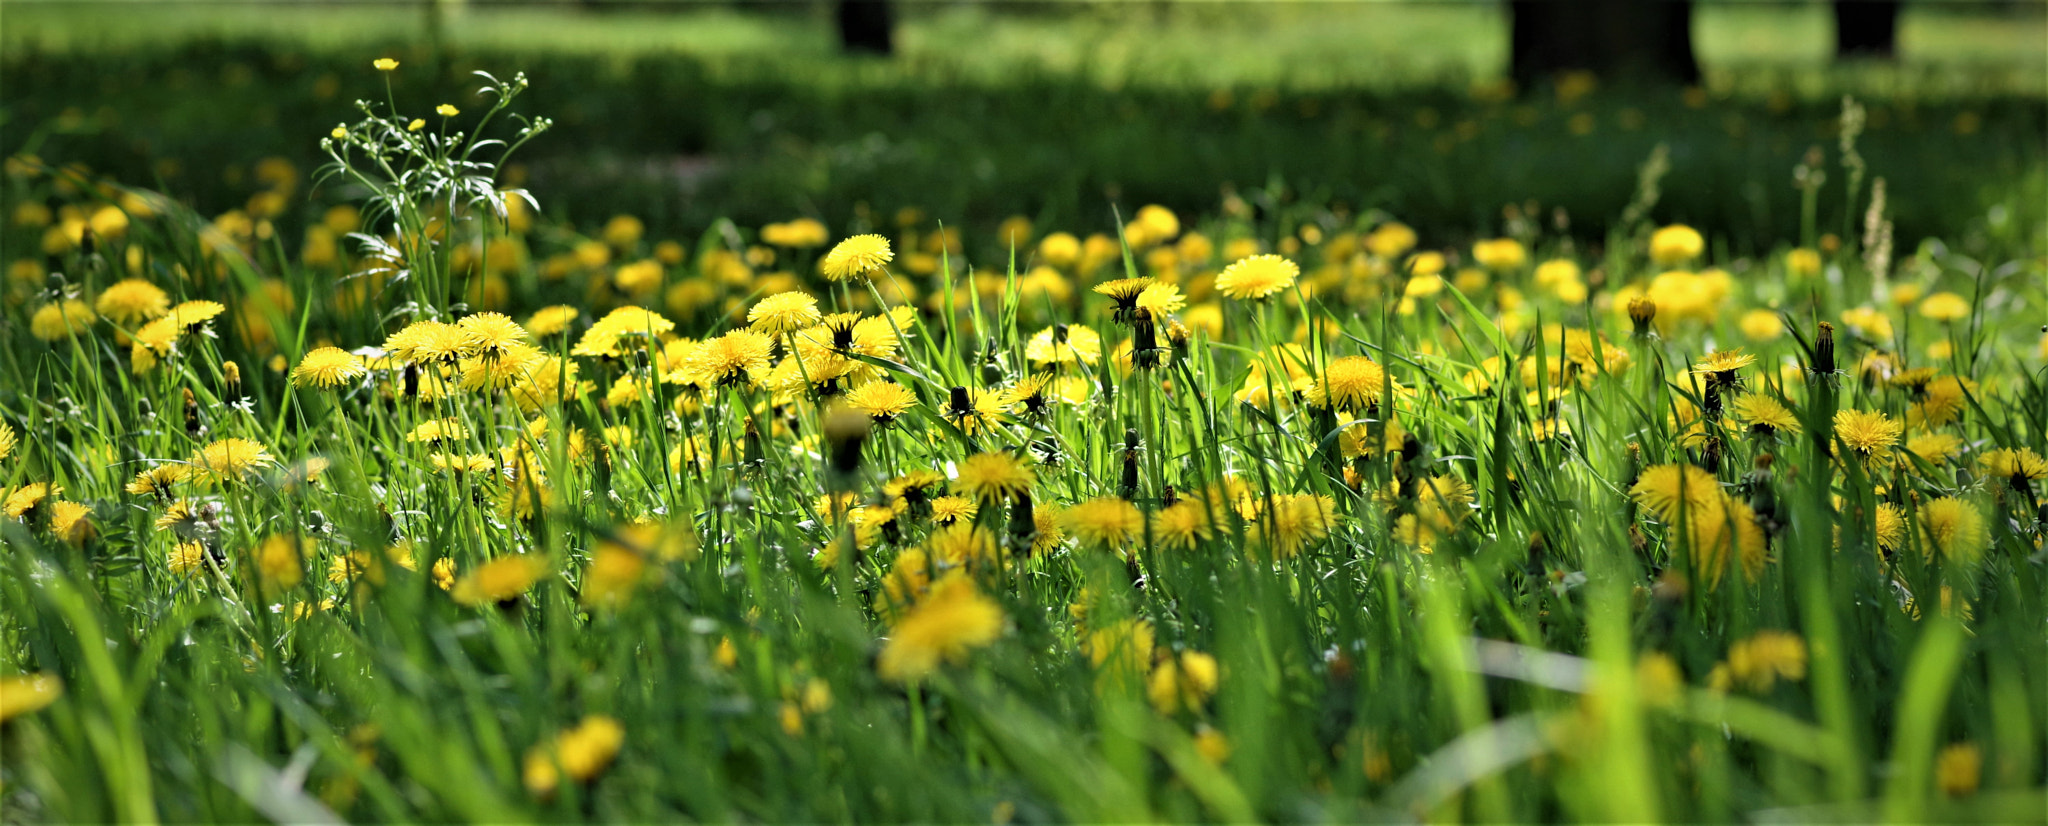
(1452, 116)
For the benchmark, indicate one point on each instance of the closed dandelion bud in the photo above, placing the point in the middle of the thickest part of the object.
(231, 377)
(1642, 311)
(846, 430)
(411, 380)
(991, 365)
(751, 454)
(1129, 487)
(1144, 341)
(1023, 522)
(1824, 351)
(87, 246)
(192, 425)
(959, 403)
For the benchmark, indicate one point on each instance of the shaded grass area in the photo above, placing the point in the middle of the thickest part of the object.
(683, 118)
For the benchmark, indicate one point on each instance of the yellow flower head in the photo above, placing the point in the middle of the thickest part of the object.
(499, 580)
(784, 313)
(447, 110)
(951, 620)
(327, 367)
(1257, 277)
(384, 64)
(1108, 522)
(861, 256)
(1676, 244)
(994, 476)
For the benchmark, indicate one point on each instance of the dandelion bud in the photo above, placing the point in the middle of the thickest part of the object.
(1824, 351)
(1023, 526)
(231, 377)
(751, 453)
(846, 430)
(192, 424)
(1144, 341)
(412, 379)
(959, 402)
(1129, 487)
(86, 245)
(1642, 311)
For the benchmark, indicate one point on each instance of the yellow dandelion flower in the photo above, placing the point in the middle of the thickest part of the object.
(882, 400)
(1954, 529)
(1764, 414)
(231, 459)
(2018, 466)
(327, 367)
(384, 64)
(1935, 448)
(548, 321)
(58, 321)
(994, 476)
(1257, 277)
(499, 580)
(1871, 434)
(1676, 244)
(582, 752)
(1758, 662)
(1108, 522)
(1668, 490)
(734, 358)
(186, 559)
(133, 300)
(1945, 307)
(784, 313)
(1185, 681)
(280, 562)
(952, 620)
(1064, 344)
(861, 256)
(489, 335)
(1350, 383)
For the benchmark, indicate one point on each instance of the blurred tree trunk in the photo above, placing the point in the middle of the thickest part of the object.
(1866, 28)
(866, 26)
(1648, 40)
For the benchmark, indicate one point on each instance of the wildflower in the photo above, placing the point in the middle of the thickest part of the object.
(1257, 277)
(1954, 529)
(1942, 400)
(994, 476)
(1758, 662)
(500, 580)
(185, 558)
(384, 64)
(1668, 490)
(489, 335)
(1722, 365)
(1212, 745)
(1764, 414)
(1889, 527)
(1500, 254)
(1109, 522)
(882, 400)
(327, 367)
(1803, 262)
(1675, 244)
(2017, 466)
(131, 300)
(281, 562)
(1871, 434)
(1945, 307)
(416, 125)
(437, 430)
(548, 321)
(1957, 770)
(1351, 383)
(428, 342)
(861, 256)
(447, 110)
(582, 752)
(1935, 448)
(1123, 295)
(952, 619)
(730, 359)
(947, 510)
(231, 459)
(1290, 522)
(784, 313)
(28, 693)
(1161, 300)
(1122, 648)
(61, 320)
(71, 522)
(1182, 525)
(7, 440)
(1185, 681)
(974, 410)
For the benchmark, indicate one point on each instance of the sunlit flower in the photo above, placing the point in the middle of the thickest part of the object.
(994, 476)
(327, 367)
(1257, 277)
(1064, 344)
(1871, 434)
(499, 580)
(784, 313)
(1764, 414)
(861, 256)
(882, 400)
(1108, 522)
(951, 620)
(1945, 307)
(1351, 383)
(582, 752)
(1954, 529)
(132, 300)
(231, 459)
(1676, 244)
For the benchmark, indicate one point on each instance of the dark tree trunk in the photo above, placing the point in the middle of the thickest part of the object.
(866, 26)
(1641, 40)
(1866, 28)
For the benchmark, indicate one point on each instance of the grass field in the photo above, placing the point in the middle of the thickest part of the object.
(904, 442)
